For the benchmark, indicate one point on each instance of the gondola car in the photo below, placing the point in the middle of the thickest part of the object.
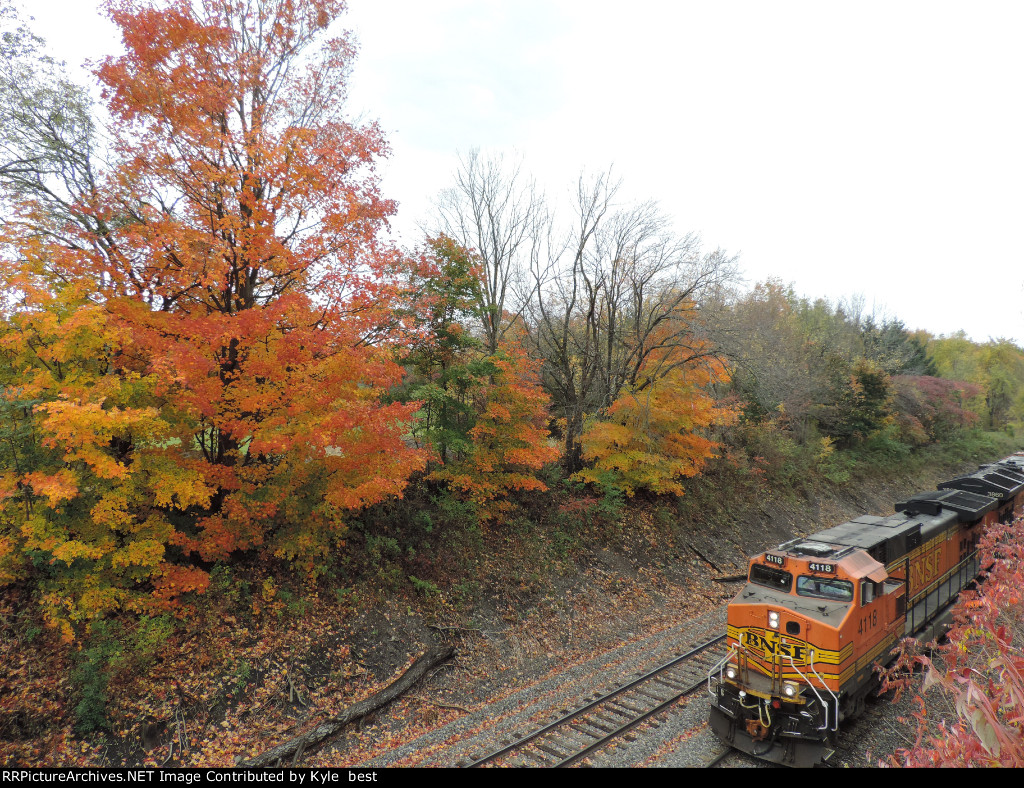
(817, 613)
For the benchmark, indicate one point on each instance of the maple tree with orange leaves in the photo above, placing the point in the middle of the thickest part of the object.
(483, 414)
(200, 358)
(510, 441)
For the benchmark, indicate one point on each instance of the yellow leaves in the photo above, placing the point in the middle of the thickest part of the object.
(652, 436)
(97, 601)
(12, 565)
(73, 549)
(270, 602)
(84, 430)
(113, 511)
(59, 343)
(145, 553)
(40, 534)
(9, 485)
(176, 485)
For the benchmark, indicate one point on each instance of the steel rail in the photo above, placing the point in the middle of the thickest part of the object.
(602, 742)
(631, 723)
(716, 760)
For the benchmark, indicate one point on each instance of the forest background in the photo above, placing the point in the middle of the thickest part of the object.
(225, 394)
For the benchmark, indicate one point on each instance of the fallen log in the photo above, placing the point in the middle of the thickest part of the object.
(704, 558)
(328, 728)
(728, 579)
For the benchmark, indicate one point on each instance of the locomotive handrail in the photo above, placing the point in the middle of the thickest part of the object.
(719, 667)
(935, 584)
(835, 725)
(807, 681)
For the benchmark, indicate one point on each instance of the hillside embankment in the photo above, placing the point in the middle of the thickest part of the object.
(262, 662)
(652, 576)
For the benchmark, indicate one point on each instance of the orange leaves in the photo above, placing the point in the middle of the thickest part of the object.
(57, 487)
(509, 441)
(259, 302)
(655, 434)
(173, 581)
(199, 364)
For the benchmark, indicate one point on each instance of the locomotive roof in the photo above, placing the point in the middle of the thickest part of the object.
(1013, 461)
(1008, 469)
(867, 531)
(969, 505)
(824, 610)
(1000, 481)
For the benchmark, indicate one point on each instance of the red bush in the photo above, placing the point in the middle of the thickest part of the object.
(932, 409)
(971, 701)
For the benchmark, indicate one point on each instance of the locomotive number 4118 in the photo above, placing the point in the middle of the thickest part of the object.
(866, 622)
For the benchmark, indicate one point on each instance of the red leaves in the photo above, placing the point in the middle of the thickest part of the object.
(981, 670)
(932, 409)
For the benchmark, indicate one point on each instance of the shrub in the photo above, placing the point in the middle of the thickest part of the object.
(978, 672)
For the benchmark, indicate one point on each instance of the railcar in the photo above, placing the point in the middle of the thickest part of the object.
(1003, 480)
(818, 613)
(1014, 461)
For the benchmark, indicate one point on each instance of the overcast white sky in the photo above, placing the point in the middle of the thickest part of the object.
(872, 148)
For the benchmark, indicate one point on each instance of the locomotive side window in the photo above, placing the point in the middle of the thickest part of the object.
(869, 591)
(825, 588)
(771, 577)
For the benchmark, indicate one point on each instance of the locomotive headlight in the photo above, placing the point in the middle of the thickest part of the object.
(789, 690)
(730, 672)
(773, 619)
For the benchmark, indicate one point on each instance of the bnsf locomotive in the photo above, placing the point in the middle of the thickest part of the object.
(817, 613)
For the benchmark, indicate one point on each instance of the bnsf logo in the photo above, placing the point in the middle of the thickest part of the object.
(771, 645)
(924, 569)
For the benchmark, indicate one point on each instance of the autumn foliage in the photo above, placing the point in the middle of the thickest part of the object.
(971, 700)
(510, 441)
(931, 409)
(657, 433)
(202, 374)
(212, 360)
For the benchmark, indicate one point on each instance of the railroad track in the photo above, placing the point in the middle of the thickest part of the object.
(717, 759)
(592, 727)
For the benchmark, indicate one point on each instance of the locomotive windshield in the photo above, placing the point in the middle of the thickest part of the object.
(825, 588)
(771, 577)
